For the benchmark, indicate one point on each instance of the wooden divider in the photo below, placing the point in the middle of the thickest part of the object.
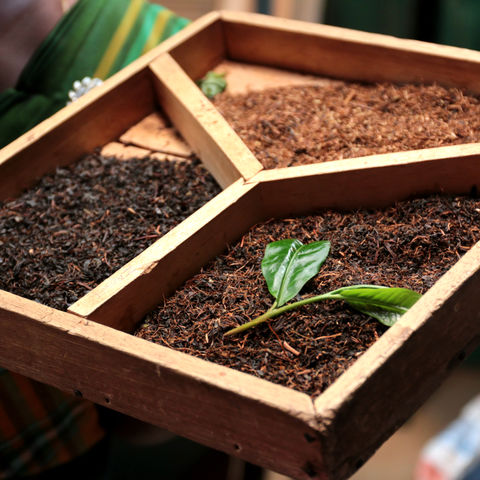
(202, 126)
(125, 297)
(201, 52)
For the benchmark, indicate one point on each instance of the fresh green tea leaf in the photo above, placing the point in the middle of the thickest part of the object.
(385, 304)
(212, 83)
(288, 265)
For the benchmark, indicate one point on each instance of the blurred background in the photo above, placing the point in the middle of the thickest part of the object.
(25, 23)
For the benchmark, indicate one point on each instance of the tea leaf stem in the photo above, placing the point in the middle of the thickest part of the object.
(339, 294)
(273, 312)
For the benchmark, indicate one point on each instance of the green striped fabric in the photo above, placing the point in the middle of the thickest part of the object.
(96, 38)
(41, 427)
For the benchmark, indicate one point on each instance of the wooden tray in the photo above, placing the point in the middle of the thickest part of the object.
(88, 351)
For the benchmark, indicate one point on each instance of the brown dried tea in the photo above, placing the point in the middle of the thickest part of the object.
(310, 124)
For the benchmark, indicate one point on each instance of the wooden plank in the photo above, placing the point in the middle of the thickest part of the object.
(124, 298)
(151, 124)
(124, 152)
(398, 373)
(75, 131)
(164, 140)
(374, 181)
(348, 54)
(208, 133)
(243, 77)
(201, 52)
(224, 409)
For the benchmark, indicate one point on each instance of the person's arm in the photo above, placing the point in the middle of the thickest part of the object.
(23, 26)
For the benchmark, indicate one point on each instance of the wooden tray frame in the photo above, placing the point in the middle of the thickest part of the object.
(85, 351)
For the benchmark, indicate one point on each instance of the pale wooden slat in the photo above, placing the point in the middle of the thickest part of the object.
(228, 410)
(151, 124)
(135, 289)
(208, 133)
(398, 373)
(348, 54)
(243, 77)
(165, 140)
(124, 152)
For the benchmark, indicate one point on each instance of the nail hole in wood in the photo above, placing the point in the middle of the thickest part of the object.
(107, 400)
(78, 393)
(309, 438)
(460, 357)
(237, 447)
(309, 470)
(359, 463)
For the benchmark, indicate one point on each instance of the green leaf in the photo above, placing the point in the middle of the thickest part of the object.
(385, 304)
(212, 83)
(288, 265)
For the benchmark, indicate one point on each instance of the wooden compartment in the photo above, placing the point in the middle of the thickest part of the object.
(106, 112)
(89, 349)
(258, 53)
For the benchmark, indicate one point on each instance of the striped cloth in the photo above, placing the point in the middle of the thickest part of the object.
(41, 427)
(96, 38)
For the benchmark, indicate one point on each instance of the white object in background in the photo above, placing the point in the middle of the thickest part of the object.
(81, 87)
(455, 451)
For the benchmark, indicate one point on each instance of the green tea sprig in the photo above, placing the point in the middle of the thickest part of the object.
(289, 264)
(212, 83)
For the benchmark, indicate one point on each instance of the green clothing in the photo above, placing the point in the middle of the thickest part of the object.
(96, 38)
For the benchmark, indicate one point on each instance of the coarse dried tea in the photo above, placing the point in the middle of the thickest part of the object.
(299, 125)
(409, 245)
